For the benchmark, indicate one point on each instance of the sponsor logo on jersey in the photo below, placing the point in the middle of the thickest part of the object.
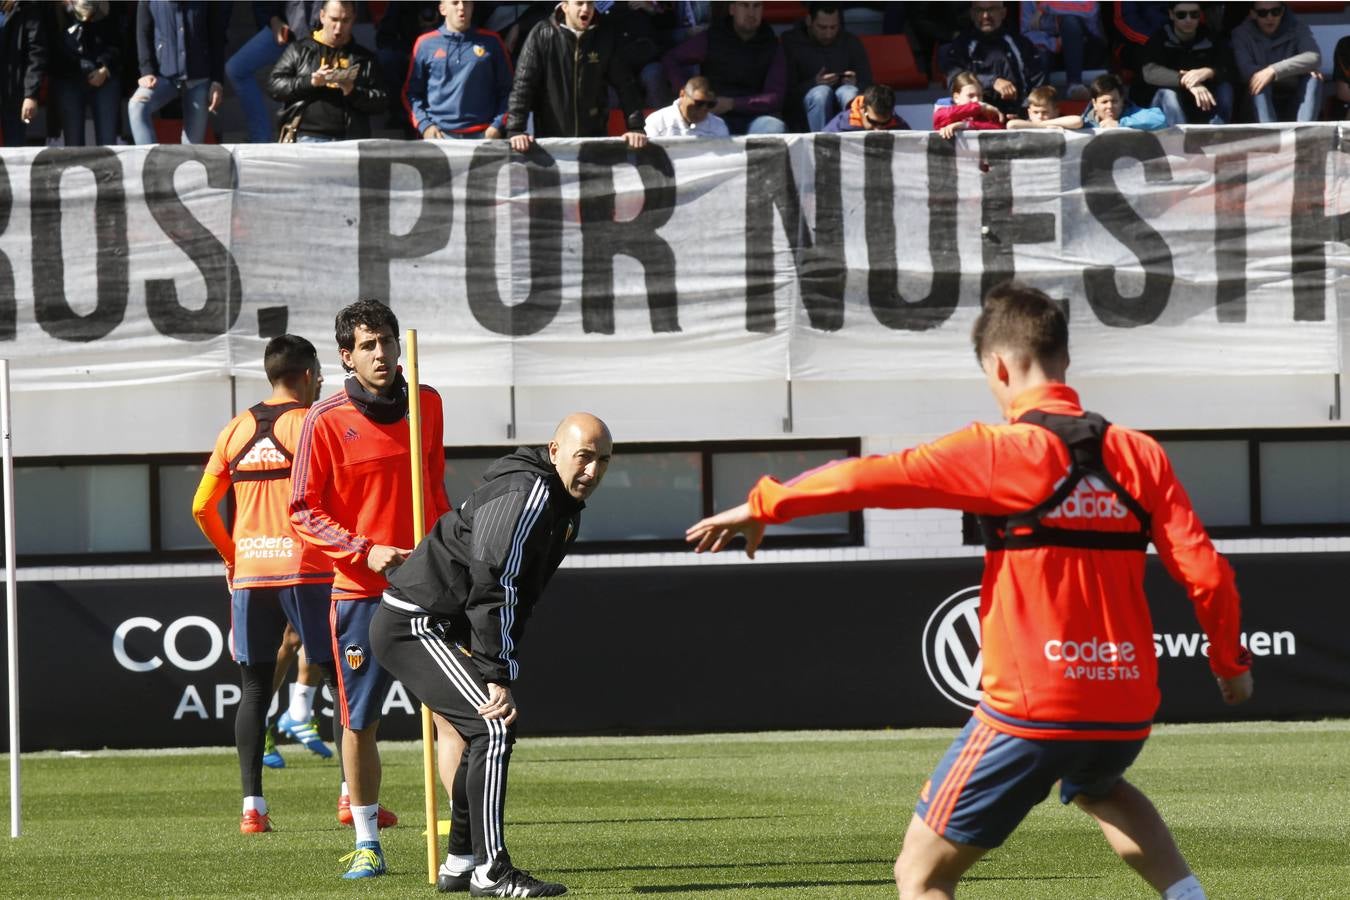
(439, 54)
(952, 654)
(263, 453)
(265, 547)
(356, 656)
(1091, 499)
(350, 434)
(1094, 659)
(479, 50)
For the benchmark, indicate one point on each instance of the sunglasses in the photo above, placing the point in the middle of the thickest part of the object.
(1188, 14)
(705, 104)
(1269, 11)
(876, 123)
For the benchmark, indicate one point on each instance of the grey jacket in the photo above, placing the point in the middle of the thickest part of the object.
(1291, 51)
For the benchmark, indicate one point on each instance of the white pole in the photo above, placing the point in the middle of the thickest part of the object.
(11, 601)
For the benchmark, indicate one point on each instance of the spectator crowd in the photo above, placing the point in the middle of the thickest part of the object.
(460, 70)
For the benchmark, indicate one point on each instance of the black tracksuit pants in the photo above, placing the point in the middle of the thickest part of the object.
(414, 648)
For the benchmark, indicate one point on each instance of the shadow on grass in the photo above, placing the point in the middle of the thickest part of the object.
(758, 885)
(764, 864)
(654, 819)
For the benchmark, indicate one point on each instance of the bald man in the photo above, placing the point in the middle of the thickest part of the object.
(452, 618)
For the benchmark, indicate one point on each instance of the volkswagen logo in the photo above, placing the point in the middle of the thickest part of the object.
(951, 647)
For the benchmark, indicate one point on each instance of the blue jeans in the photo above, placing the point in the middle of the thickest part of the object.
(315, 139)
(74, 96)
(1289, 100)
(1078, 46)
(1181, 113)
(260, 52)
(147, 101)
(743, 123)
(822, 103)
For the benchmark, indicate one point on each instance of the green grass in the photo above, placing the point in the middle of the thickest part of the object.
(1259, 809)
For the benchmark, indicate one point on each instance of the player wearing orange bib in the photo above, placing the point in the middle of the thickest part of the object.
(1069, 504)
(274, 576)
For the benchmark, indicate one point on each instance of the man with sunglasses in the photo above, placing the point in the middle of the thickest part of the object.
(1187, 71)
(691, 115)
(874, 110)
(1277, 57)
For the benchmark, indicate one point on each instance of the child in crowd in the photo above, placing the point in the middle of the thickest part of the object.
(1043, 111)
(965, 109)
(1111, 110)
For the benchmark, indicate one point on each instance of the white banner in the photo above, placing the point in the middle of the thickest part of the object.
(1201, 251)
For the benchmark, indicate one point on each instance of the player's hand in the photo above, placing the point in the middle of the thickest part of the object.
(1006, 89)
(1237, 689)
(715, 532)
(635, 140)
(229, 577)
(381, 557)
(500, 705)
(521, 142)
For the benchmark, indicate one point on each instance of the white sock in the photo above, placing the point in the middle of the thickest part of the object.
(257, 803)
(480, 873)
(1187, 888)
(344, 792)
(366, 820)
(302, 702)
(457, 865)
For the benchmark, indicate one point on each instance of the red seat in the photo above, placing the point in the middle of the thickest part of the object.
(784, 13)
(892, 61)
(1315, 7)
(1072, 107)
(170, 131)
(618, 122)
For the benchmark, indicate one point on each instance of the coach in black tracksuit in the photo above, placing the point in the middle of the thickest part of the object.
(454, 614)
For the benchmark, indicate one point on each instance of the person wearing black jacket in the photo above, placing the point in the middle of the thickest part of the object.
(563, 76)
(1187, 71)
(328, 80)
(454, 614)
(86, 57)
(23, 62)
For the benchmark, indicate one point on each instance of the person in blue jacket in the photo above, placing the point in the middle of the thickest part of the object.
(459, 80)
(1110, 109)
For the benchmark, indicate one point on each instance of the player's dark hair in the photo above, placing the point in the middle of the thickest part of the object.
(1105, 84)
(370, 314)
(1023, 321)
(288, 356)
(880, 99)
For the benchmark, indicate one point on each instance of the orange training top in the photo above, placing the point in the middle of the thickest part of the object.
(352, 486)
(1067, 638)
(266, 551)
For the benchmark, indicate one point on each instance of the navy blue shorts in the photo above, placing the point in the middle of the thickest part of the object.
(362, 682)
(988, 781)
(258, 616)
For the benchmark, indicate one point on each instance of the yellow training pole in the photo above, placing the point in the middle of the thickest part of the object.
(419, 531)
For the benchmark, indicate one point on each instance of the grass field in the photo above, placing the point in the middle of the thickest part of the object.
(1261, 810)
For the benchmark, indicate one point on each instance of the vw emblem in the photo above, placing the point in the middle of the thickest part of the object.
(951, 647)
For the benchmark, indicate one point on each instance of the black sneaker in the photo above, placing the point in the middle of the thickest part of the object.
(515, 882)
(449, 882)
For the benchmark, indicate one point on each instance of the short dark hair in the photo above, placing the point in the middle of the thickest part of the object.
(698, 83)
(1105, 84)
(813, 9)
(1023, 321)
(372, 314)
(881, 98)
(288, 356)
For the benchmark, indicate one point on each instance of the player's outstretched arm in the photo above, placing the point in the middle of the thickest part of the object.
(1237, 689)
(715, 532)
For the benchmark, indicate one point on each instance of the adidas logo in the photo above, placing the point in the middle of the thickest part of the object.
(350, 435)
(263, 452)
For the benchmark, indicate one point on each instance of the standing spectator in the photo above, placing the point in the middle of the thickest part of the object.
(1341, 75)
(873, 110)
(401, 24)
(278, 25)
(965, 110)
(1277, 57)
(181, 48)
(1187, 70)
(23, 63)
(327, 82)
(451, 622)
(459, 81)
(85, 60)
(1007, 64)
(691, 115)
(741, 57)
(1111, 110)
(827, 67)
(351, 496)
(1069, 34)
(567, 65)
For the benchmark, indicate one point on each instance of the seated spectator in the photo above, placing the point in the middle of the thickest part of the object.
(459, 81)
(567, 65)
(86, 55)
(278, 24)
(1007, 64)
(1043, 111)
(181, 47)
(827, 67)
(873, 110)
(964, 109)
(1067, 34)
(1341, 75)
(1111, 110)
(23, 65)
(691, 115)
(326, 82)
(1187, 71)
(741, 57)
(1278, 59)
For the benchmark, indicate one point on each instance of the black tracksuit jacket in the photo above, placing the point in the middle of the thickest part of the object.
(483, 566)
